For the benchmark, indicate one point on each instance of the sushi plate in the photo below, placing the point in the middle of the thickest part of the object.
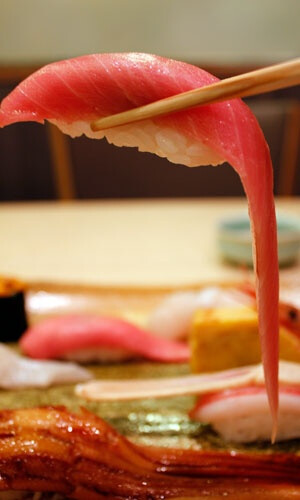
(161, 424)
(149, 421)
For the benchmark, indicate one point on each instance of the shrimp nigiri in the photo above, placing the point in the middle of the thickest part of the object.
(233, 401)
(241, 414)
(74, 92)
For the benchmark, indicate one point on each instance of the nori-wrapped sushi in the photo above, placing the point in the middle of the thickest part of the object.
(13, 320)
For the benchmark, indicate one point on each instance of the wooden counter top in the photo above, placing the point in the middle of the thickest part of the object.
(120, 242)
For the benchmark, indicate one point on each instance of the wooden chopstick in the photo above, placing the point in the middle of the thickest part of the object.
(255, 82)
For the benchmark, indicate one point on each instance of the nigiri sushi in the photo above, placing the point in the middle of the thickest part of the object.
(74, 92)
(89, 337)
(173, 316)
(18, 372)
(242, 414)
(233, 401)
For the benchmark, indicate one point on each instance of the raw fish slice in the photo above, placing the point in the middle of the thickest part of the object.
(242, 414)
(17, 372)
(69, 336)
(74, 92)
(109, 390)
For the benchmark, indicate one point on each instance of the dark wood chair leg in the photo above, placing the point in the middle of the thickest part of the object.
(62, 163)
(290, 152)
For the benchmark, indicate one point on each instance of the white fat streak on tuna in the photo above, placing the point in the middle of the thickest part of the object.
(149, 137)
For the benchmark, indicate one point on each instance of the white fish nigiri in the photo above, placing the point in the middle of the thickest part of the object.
(18, 372)
(172, 318)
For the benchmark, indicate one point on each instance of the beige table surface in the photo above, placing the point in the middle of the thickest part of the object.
(119, 242)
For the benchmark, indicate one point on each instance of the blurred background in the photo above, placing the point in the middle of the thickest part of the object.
(225, 37)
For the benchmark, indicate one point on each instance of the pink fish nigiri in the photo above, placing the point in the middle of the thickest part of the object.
(74, 92)
(241, 414)
(91, 338)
